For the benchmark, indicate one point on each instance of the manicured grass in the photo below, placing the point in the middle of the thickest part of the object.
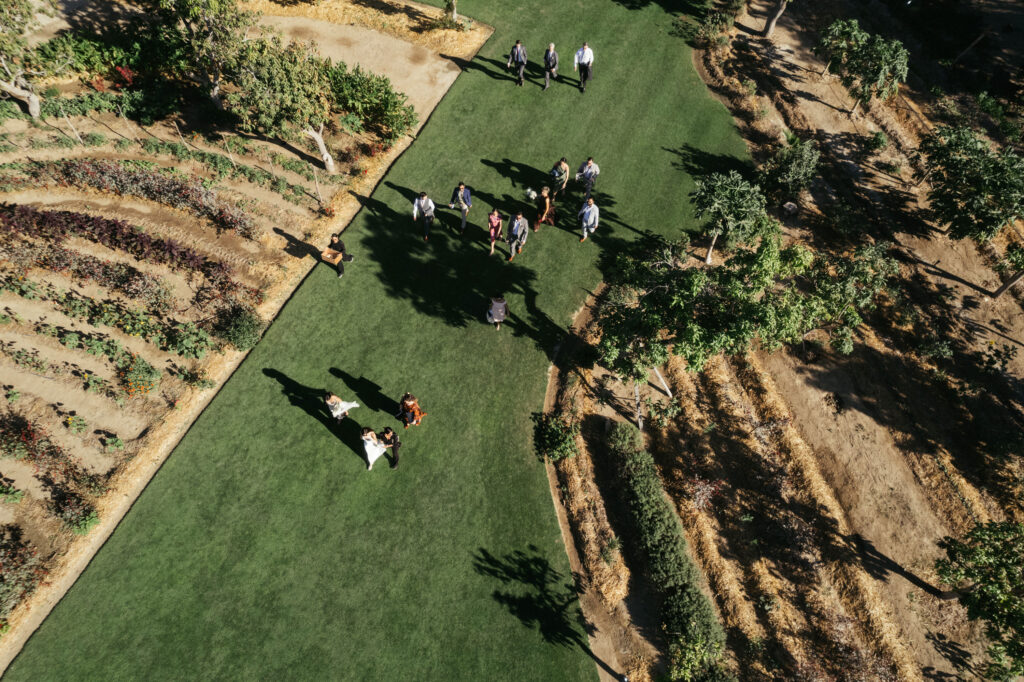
(263, 549)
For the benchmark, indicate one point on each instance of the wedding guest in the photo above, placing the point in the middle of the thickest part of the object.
(518, 230)
(389, 439)
(335, 255)
(545, 208)
(497, 312)
(462, 198)
(494, 227)
(409, 410)
(424, 205)
(559, 177)
(337, 407)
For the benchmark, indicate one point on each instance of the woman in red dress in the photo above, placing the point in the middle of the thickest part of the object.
(545, 209)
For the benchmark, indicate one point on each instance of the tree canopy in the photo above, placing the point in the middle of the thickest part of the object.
(655, 306)
(17, 18)
(733, 207)
(791, 168)
(283, 90)
(974, 189)
(869, 66)
(987, 569)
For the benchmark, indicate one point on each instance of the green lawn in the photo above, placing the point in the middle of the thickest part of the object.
(263, 549)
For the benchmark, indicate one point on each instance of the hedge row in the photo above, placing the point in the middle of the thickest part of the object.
(686, 612)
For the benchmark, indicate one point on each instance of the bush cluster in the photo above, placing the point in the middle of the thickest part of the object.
(77, 513)
(56, 226)
(135, 178)
(22, 571)
(554, 436)
(137, 376)
(686, 612)
(240, 326)
(145, 105)
(373, 101)
(21, 439)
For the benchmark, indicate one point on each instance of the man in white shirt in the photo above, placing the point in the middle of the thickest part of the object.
(589, 215)
(425, 206)
(587, 174)
(584, 63)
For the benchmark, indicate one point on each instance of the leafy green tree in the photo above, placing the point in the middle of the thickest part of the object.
(283, 90)
(17, 18)
(986, 568)
(213, 35)
(656, 306)
(876, 71)
(974, 189)
(839, 42)
(734, 208)
(792, 168)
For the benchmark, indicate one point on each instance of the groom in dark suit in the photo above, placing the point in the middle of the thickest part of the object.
(517, 59)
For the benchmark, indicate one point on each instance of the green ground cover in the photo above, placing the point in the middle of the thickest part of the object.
(262, 549)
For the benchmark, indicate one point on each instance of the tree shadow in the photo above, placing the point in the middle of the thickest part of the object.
(450, 277)
(697, 162)
(536, 594)
(367, 393)
(954, 652)
(311, 400)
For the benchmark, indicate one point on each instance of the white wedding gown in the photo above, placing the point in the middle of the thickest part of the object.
(373, 451)
(338, 409)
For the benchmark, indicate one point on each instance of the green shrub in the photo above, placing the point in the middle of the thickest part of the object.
(240, 326)
(373, 100)
(877, 141)
(75, 423)
(686, 614)
(188, 340)
(78, 514)
(94, 139)
(554, 436)
(113, 443)
(9, 494)
(138, 377)
(791, 169)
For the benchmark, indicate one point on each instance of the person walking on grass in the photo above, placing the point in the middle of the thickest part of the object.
(337, 407)
(494, 227)
(550, 65)
(409, 410)
(589, 216)
(518, 230)
(559, 177)
(462, 198)
(497, 312)
(372, 447)
(517, 61)
(584, 63)
(335, 255)
(389, 439)
(587, 174)
(545, 208)
(424, 205)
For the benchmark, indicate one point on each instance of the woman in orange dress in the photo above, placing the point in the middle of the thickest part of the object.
(409, 410)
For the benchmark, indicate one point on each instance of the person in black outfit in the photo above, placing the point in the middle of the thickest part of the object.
(550, 65)
(336, 255)
(389, 439)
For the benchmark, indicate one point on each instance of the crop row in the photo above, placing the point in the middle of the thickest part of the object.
(54, 227)
(183, 338)
(132, 178)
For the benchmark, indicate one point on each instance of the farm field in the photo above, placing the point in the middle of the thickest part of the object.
(262, 547)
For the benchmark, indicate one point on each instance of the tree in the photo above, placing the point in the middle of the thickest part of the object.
(656, 306)
(213, 33)
(733, 206)
(792, 167)
(986, 569)
(841, 40)
(17, 18)
(283, 89)
(769, 24)
(974, 189)
(876, 70)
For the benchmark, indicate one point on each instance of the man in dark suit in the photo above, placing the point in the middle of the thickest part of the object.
(550, 65)
(517, 59)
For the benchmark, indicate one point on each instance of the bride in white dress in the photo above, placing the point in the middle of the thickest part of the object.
(374, 448)
(338, 407)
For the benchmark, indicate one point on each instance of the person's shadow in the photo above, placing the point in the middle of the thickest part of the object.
(368, 393)
(296, 247)
(311, 400)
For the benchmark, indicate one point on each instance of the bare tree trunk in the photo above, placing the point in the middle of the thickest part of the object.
(30, 98)
(1007, 284)
(769, 26)
(215, 96)
(639, 413)
(664, 385)
(855, 105)
(825, 70)
(455, 11)
(318, 137)
(707, 260)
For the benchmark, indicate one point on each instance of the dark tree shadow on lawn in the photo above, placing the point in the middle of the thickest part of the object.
(535, 593)
(697, 162)
(368, 393)
(451, 277)
(311, 400)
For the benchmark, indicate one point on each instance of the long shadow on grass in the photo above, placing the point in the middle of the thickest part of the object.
(536, 594)
(450, 277)
(311, 400)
